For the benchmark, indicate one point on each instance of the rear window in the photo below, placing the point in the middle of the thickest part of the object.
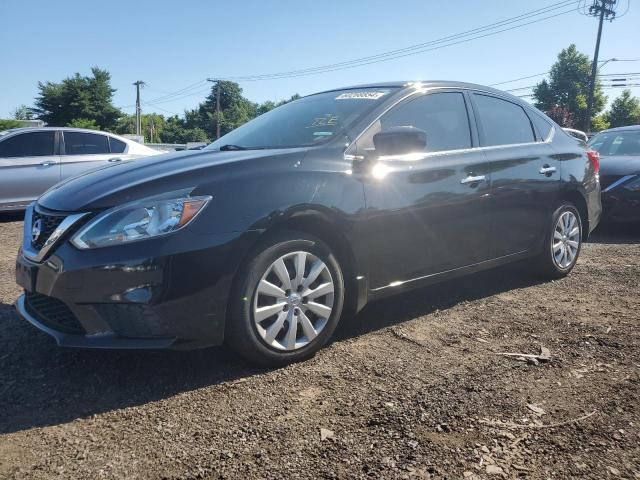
(32, 144)
(502, 122)
(117, 146)
(80, 143)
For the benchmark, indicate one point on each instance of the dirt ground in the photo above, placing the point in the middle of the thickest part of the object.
(412, 387)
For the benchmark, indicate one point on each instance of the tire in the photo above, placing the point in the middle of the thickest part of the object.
(551, 263)
(260, 321)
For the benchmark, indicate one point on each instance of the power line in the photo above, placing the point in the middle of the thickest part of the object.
(393, 54)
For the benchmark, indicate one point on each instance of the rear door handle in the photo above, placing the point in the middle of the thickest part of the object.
(48, 163)
(547, 170)
(471, 179)
(116, 159)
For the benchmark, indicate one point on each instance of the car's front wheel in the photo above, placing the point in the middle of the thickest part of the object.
(287, 300)
(563, 242)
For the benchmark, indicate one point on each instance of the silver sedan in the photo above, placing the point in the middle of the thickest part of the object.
(34, 159)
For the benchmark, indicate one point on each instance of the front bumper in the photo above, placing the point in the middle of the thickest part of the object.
(169, 292)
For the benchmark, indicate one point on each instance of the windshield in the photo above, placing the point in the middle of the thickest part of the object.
(617, 143)
(305, 122)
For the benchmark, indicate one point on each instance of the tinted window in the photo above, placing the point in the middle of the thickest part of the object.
(617, 143)
(117, 146)
(79, 143)
(32, 144)
(502, 122)
(443, 116)
(542, 126)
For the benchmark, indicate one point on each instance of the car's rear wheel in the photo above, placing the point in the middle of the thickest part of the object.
(287, 300)
(563, 242)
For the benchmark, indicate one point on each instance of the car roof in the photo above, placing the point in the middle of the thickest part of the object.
(66, 129)
(427, 84)
(621, 129)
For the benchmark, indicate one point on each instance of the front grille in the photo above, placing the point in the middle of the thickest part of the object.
(48, 225)
(606, 180)
(53, 313)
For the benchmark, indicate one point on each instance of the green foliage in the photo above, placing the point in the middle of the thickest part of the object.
(7, 124)
(568, 88)
(78, 97)
(625, 110)
(599, 123)
(22, 113)
(83, 123)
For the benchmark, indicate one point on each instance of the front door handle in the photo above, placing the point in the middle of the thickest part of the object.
(114, 160)
(547, 170)
(472, 179)
(48, 163)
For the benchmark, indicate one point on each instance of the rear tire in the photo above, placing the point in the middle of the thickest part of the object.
(286, 301)
(562, 244)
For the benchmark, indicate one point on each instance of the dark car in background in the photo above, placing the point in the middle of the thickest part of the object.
(265, 237)
(619, 150)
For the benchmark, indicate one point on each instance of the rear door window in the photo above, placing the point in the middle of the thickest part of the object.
(81, 143)
(116, 146)
(543, 127)
(30, 144)
(502, 122)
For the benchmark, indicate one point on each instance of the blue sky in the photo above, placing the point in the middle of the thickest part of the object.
(172, 45)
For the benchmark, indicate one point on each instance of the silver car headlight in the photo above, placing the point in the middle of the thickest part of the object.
(139, 220)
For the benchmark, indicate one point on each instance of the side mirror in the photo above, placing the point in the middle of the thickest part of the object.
(399, 141)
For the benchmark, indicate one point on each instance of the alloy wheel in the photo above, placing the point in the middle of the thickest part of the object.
(293, 301)
(566, 240)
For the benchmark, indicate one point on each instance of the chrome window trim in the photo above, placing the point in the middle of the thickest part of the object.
(349, 155)
(28, 250)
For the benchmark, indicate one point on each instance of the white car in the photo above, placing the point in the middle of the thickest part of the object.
(34, 159)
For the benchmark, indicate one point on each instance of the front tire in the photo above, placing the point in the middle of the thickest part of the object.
(562, 243)
(286, 301)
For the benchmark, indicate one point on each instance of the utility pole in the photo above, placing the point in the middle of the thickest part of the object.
(138, 84)
(601, 9)
(217, 82)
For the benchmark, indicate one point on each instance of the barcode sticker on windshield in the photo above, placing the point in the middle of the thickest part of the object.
(361, 96)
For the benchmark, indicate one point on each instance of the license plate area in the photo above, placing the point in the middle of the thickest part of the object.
(26, 274)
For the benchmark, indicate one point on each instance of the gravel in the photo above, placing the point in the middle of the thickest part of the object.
(412, 387)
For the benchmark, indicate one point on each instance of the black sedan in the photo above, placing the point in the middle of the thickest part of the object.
(619, 150)
(265, 237)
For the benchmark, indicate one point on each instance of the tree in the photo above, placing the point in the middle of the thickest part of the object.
(83, 123)
(7, 124)
(625, 110)
(568, 88)
(78, 97)
(22, 113)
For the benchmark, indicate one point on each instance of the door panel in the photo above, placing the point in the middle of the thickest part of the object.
(28, 167)
(522, 197)
(423, 216)
(525, 175)
(422, 220)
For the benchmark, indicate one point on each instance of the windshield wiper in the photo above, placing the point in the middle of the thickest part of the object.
(225, 148)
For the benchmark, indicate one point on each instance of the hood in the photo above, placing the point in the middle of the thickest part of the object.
(619, 165)
(135, 179)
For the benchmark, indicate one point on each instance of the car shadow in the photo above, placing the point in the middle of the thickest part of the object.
(42, 384)
(6, 217)
(616, 233)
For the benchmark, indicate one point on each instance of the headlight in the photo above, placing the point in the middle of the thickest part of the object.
(138, 221)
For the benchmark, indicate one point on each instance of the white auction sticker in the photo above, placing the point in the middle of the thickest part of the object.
(361, 95)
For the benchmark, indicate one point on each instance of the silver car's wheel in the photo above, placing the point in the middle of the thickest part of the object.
(293, 301)
(566, 240)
